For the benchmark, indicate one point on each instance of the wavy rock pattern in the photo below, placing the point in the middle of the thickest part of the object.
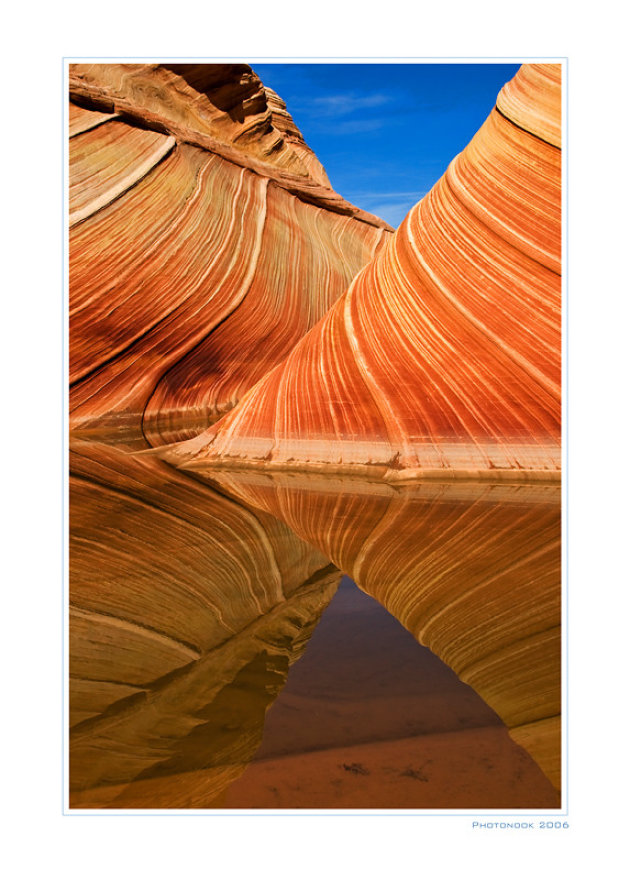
(444, 354)
(472, 570)
(188, 736)
(186, 610)
(205, 241)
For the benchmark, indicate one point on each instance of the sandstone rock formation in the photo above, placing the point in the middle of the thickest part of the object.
(186, 610)
(444, 354)
(205, 241)
(472, 570)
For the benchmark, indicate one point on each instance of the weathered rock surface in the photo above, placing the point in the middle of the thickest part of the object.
(186, 610)
(444, 354)
(472, 570)
(205, 241)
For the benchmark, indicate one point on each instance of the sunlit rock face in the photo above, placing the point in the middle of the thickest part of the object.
(472, 570)
(186, 610)
(444, 353)
(205, 241)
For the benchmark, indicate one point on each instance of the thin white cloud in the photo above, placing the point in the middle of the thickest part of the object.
(414, 193)
(383, 209)
(346, 103)
(390, 206)
(355, 126)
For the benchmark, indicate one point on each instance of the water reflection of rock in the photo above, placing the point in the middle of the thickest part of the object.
(471, 569)
(186, 610)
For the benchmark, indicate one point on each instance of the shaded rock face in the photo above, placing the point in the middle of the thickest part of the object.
(444, 353)
(186, 610)
(472, 570)
(205, 241)
(223, 107)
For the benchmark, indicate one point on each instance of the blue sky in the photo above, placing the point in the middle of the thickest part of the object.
(386, 132)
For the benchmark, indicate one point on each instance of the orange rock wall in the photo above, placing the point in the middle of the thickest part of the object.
(445, 352)
(194, 266)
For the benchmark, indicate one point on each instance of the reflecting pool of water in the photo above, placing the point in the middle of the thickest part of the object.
(216, 662)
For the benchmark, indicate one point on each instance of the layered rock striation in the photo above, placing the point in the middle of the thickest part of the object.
(208, 263)
(186, 610)
(205, 240)
(472, 570)
(444, 354)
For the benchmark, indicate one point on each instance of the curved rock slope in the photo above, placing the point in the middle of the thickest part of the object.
(444, 354)
(186, 610)
(472, 570)
(205, 241)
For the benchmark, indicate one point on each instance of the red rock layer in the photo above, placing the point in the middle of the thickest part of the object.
(194, 266)
(186, 610)
(472, 570)
(444, 354)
